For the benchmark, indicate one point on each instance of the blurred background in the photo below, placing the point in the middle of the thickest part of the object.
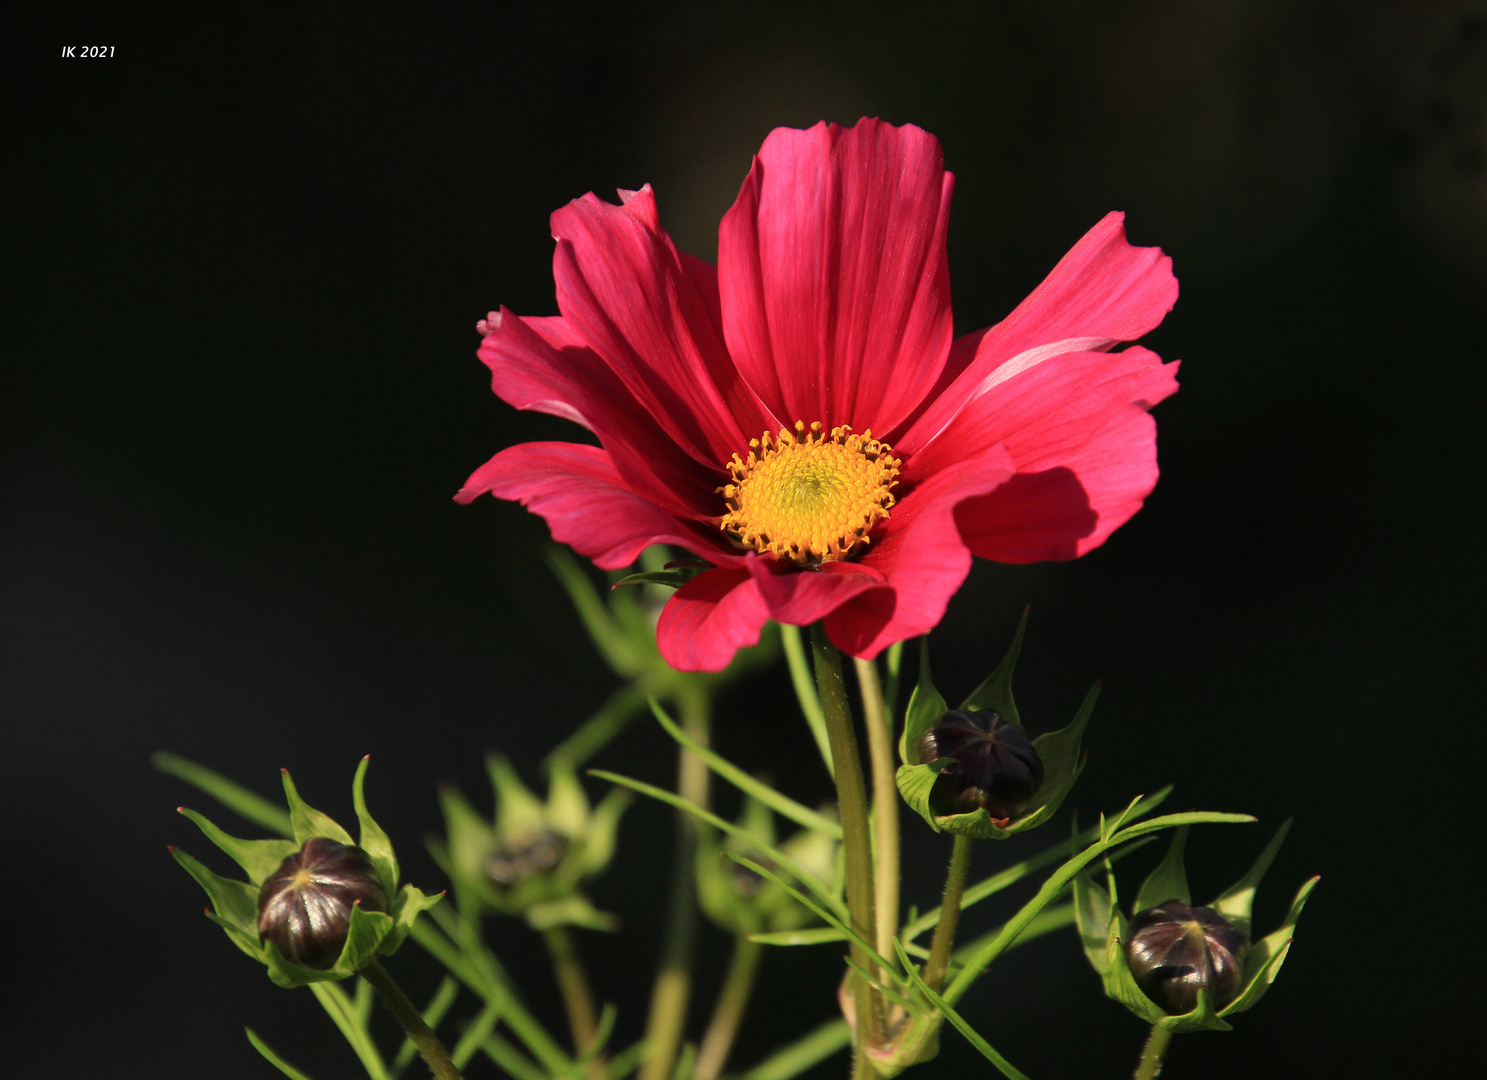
(245, 260)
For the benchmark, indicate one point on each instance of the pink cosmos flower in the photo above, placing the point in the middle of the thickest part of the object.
(799, 416)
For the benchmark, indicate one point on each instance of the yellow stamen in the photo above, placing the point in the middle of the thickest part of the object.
(808, 496)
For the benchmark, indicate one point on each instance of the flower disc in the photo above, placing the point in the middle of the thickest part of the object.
(809, 496)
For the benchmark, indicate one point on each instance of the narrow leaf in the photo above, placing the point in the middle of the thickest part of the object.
(805, 692)
(826, 916)
(805, 1052)
(234, 796)
(274, 1059)
(776, 856)
(779, 803)
(989, 1052)
(821, 935)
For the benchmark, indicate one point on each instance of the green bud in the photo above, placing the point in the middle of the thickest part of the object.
(316, 907)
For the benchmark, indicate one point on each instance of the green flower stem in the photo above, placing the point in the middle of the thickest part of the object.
(1156, 1049)
(575, 986)
(673, 986)
(339, 1008)
(475, 966)
(879, 725)
(851, 795)
(429, 1046)
(805, 691)
(944, 939)
(733, 999)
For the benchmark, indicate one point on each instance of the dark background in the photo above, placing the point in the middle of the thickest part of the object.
(245, 257)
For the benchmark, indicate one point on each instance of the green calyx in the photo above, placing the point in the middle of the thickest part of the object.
(1103, 931)
(1059, 750)
(533, 856)
(235, 902)
(743, 902)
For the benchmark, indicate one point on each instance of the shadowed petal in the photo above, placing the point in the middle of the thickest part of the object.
(801, 597)
(652, 314)
(1103, 292)
(1085, 447)
(543, 365)
(709, 619)
(580, 494)
(835, 287)
(921, 556)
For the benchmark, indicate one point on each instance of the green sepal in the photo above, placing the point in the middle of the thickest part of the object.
(1168, 881)
(572, 910)
(234, 796)
(926, 707)
(599, 840)
(1237, 901)
(1092, 916)
(365, 933)
(995, 692)
(374, 840)
(410, 901)
(519, 813)
(1202, 1018)
(1266, 956)
(1120, 984)
(308, 822)
(235, 903)
(258, 858)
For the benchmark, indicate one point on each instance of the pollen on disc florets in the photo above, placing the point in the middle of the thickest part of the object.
(809, 496)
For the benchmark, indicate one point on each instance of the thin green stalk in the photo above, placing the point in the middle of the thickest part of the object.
(429, 1046)
(338, 1006)
(805, 691)
(467, 958)
(575, 986)
(673, 986)
(944, 940)
(733, 999)
(886, 872)
(1156, 1049)
(851, 795)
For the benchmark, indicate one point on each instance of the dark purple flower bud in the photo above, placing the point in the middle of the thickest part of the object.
(510, 865)
(995, 768)
(304, 907)
(1176, 949)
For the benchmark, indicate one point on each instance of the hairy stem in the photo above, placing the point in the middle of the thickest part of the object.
(944, 939)
(1156, 1049)
(885, 805)
(429, 1046)
(673, 986)
(733, 999)
(851, 795)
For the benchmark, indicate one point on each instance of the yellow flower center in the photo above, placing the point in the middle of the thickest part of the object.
(808, 496)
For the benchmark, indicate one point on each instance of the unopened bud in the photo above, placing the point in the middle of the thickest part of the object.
(996, 767)
(510, 865)
(304, 907)
(1175, 950)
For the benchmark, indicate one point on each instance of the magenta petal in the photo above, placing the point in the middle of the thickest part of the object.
(709, 619)
(580, 494)
(652, 314)
(1085, 448)
(921, 556)
(1103, 292)
(835, 287)
(543, 365)
(800, 597)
